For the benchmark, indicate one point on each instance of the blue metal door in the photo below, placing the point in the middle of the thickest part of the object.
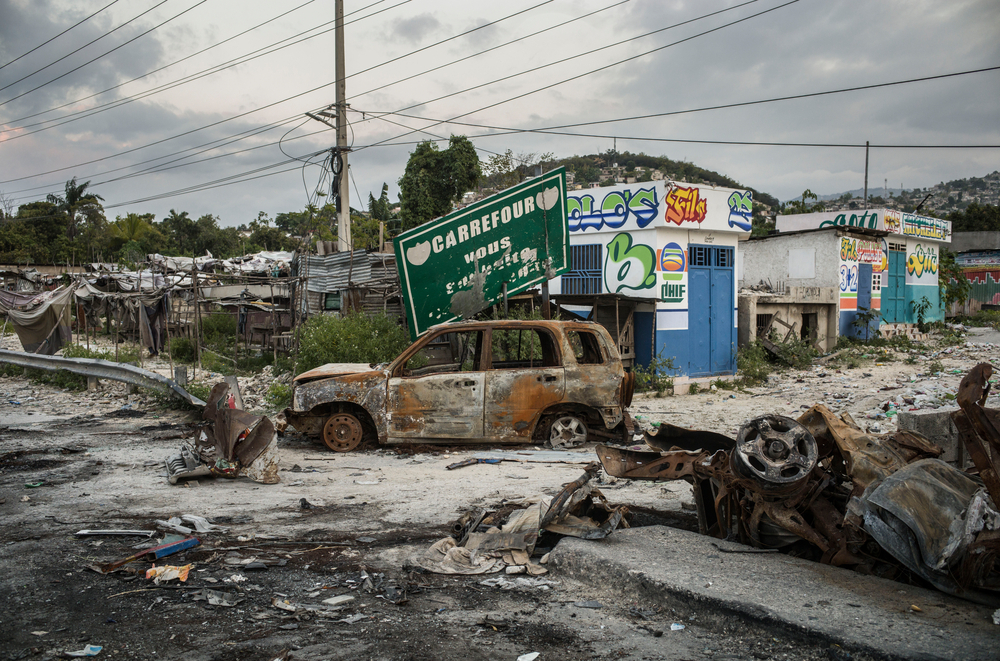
(710, 310)
(699, 319)
(864, 297)
(894, 291)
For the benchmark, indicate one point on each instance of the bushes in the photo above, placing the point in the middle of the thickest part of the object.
(354, 338)
(658, 376)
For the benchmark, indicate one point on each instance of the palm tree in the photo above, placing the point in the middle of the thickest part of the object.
(76, 202)
(130, 228)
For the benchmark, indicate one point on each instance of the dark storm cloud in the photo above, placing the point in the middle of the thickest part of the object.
(32, 23)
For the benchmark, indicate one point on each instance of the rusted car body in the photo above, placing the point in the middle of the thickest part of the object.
(474, 382)
(821, 487)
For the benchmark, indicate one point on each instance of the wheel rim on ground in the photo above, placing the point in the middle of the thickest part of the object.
(567, 430)
(342, 432)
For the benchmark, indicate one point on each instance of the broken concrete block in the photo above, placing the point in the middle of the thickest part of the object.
(937, 426)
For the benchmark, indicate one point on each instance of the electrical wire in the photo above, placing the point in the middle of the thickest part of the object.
(550, 129)
(242, 59)
(122, 45)
(49, 41)
(582, 75)
(89, 43)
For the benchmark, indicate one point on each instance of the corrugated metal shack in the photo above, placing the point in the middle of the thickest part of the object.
(349, 281)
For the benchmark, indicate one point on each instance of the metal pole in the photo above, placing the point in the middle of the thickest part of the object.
(344, 209)
(866, 174)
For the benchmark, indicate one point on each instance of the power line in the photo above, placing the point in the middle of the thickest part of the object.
(89, 43)
(550, 129)
(582, 75)
(122, 153)
(242, 59)
(49, 41)
(122, 45)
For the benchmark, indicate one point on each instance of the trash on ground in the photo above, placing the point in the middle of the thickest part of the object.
(89, 650)
(480, 545)
(154, 553)
(125, 533)
(165, 573)
(472, 462)
(233, 443)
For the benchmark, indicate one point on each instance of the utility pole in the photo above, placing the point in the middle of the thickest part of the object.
(343, 200)
(340, 190)
(866, 171)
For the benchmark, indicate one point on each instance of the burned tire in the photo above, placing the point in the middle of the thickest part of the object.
(343, 432)
(567, 430)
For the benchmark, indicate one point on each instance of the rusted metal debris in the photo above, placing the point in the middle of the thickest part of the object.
(820, 487)
(234, 443)
(483, 542)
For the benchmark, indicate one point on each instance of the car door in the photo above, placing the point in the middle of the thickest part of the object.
(438, 392)
(525, 376)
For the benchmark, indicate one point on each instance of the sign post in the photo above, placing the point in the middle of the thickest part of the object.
(453, 267)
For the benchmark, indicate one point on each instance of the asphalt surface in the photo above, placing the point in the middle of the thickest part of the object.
(716, 579)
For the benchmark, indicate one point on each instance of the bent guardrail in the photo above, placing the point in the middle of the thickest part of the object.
(101, 369)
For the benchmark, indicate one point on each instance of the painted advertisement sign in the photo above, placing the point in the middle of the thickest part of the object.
(921, 227)
(454, 266)
(889, 220)
(658, 204)
(673, 272)
(853, 253)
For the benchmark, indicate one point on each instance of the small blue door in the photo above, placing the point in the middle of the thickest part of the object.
(864, 298)
(710, 310)
(894, 291)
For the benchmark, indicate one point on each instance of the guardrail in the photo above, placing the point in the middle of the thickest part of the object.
(101, 369)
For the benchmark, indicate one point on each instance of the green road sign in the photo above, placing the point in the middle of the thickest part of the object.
(455, 266)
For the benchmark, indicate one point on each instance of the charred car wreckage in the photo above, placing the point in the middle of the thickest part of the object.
(822, 488)
(559, 382)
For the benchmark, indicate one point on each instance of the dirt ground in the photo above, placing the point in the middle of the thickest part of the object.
(76, 460)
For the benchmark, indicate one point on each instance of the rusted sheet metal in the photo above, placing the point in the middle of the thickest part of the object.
(671, 437)
(564, 499)
(332, 369)
(978, 429)
(639, 465)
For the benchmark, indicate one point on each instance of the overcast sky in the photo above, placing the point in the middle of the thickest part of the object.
(142, 143)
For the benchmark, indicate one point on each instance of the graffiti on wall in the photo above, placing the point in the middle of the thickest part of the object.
(685, 205)
(629, 266)
(614, 210)
(864, 251)
(922, 260)
(925, 228)
(849, 279)
(867, 219)
(892, 221)
(741, 210)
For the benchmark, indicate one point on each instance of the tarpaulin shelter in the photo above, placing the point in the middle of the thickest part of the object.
(41, 321)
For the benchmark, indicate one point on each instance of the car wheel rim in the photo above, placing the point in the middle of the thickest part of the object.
(342, 432)
(568, 430)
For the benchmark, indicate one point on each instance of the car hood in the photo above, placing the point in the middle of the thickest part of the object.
(332, 369)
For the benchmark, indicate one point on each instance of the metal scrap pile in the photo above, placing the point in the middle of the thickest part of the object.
(231, 444)
(487, 542)
(820, 487)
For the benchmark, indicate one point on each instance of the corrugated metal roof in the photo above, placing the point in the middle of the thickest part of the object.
(334, 272)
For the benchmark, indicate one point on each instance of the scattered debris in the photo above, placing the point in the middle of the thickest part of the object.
(578, 510)
(126, 533)
(166, 573)
(472, 462)
(154, 553)
(89, 650)
(233, 443)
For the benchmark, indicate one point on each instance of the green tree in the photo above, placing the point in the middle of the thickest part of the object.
(803, 206)
(179, 228)
(380, 209)
(952, 283)
(78, 205)
(976, 218)
(436, 179)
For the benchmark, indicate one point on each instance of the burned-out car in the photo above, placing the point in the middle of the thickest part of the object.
(474, 382)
